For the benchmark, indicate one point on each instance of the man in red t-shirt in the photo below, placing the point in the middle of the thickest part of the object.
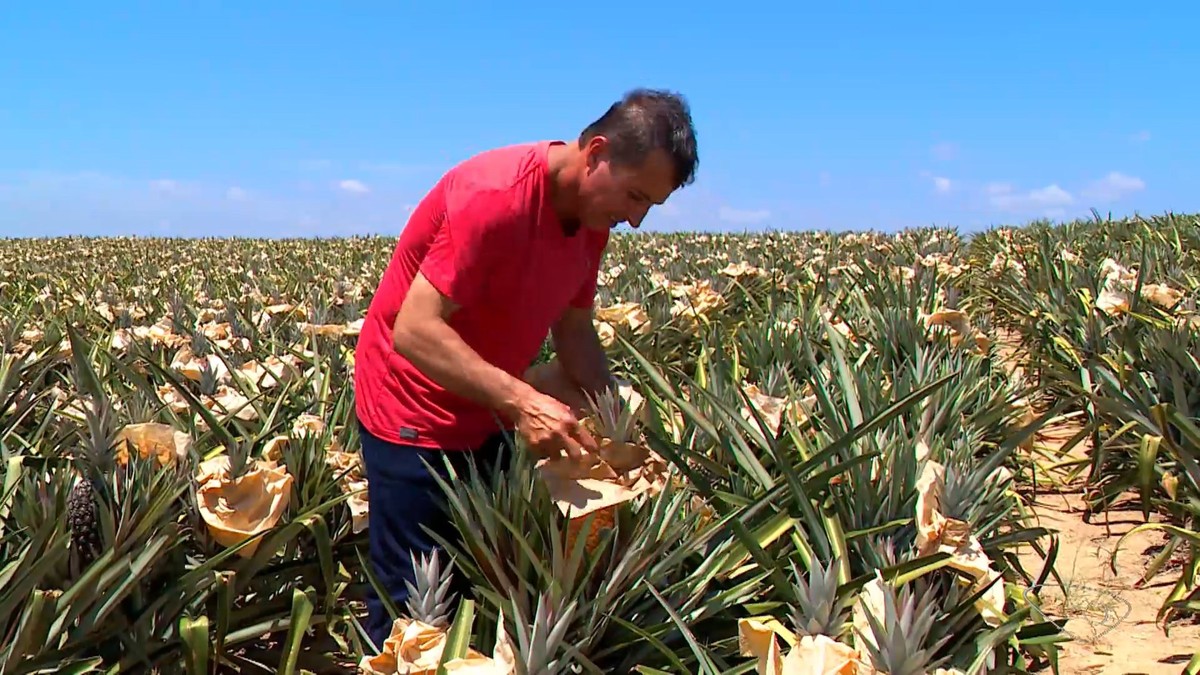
(503, 251)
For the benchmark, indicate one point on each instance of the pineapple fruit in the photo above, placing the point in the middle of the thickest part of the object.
(84, 519)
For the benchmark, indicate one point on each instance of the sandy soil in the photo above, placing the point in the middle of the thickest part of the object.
(1111, 615)
(1117, 633)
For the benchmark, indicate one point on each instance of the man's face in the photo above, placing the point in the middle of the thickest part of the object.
(611, 194)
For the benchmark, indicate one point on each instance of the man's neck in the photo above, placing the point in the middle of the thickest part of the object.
(564, 162)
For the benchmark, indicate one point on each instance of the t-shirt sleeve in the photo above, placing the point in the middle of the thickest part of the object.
(586, 297)
(459, 260)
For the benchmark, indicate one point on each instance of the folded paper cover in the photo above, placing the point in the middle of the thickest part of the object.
(811, 655)
(415, 648)
(596, 485)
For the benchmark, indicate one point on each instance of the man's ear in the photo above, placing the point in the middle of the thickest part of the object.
(595, 150)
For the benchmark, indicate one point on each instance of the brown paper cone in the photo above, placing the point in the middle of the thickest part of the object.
(811, 655)
(162, 441)
(235, 510)
(593, 487)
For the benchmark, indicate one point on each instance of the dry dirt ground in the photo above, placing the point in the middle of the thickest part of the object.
(1111, 614)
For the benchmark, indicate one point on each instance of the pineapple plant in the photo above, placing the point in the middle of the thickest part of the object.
(94, 464)
(824, 500)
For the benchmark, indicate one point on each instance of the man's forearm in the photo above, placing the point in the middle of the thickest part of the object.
(583, 359)
(439, 352)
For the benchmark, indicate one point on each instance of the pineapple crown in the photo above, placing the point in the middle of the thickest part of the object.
(199, 344)
(96, 457)
(818, 610)
(898, 641)
(209, 382)
(429, 598)
(239, 452)
(615, 419)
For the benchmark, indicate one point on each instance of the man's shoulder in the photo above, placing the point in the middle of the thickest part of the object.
(503, 169)
(498, 190)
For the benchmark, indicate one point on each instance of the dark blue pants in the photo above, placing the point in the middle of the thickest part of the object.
(404, 499)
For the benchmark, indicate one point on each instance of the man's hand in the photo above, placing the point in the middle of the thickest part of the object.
(550, 427)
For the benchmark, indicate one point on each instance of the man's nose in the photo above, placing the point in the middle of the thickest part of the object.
(637, 217)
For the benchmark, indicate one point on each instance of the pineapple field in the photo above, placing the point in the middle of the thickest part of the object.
(828, 461)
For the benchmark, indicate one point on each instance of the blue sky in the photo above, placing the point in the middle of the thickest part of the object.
(328, 119)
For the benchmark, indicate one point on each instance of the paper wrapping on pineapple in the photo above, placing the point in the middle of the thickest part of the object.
(307, 423)
(354, 483)
(936, 532)
(347, 464)
(225, 402)
(618, 473)
(629, 316)
(192, 367)
(1120, 282)
(162, 441)
(1162, 295)
(773, 408)
(412, 648)
(869, 600)
(811, 655)
(955, 322)
(268, 373)
(695, 302)
(415, 648)
(769, 407)
(235, 510)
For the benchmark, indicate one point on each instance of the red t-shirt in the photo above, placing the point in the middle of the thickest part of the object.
(487, 237)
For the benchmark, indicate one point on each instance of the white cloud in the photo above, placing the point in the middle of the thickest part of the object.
(942, 184)
(944, 151)
(742, 216)
(1112, 187)
(1044, 200)
(165, 185)
(823, 179)
(95, 203)
(1051, 195)
(1140, 137)
(351, 185)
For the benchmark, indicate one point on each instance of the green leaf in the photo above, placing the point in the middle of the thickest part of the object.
(458, 639)
(298, 623)
(194, 633)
